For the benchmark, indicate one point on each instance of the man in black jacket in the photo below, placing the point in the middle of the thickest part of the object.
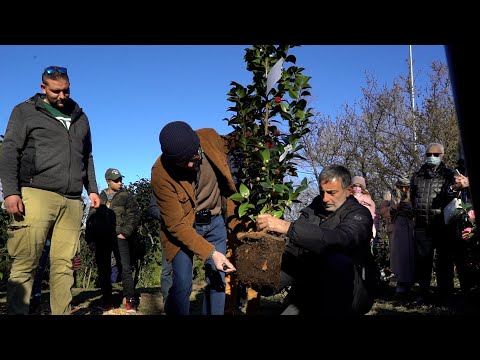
(45, 162)
(112, 228)
(429, 196)
(328, 250)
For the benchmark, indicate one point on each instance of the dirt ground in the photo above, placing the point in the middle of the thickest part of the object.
(85, 302)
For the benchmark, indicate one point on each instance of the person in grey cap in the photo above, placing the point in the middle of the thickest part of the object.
(112, 227)
(396, 209)
(45, 163)
(192, 182)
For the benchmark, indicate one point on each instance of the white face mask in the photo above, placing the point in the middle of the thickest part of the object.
(433, 161)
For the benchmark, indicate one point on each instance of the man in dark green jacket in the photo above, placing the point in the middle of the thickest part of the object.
(45, 162)
(112, 227)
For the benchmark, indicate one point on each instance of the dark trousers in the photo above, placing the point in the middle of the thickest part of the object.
(42, 264)
(424, 257)
(428, 239)
(445, 259)
(452, 253)
(103, 257)
(323, 287)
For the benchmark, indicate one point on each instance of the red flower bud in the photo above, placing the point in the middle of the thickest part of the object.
(269, 144)
(278, 99)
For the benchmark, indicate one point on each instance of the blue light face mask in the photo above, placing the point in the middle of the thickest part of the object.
(433, 161)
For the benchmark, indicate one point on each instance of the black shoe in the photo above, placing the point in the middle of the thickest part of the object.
(106, 303)
(419, 301)
(35, 303)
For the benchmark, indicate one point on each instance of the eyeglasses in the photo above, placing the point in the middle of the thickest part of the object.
(433, 154)
(53, 69)
(193, 159)
(117, 180)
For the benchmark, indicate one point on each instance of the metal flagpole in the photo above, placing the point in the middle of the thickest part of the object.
(412, 100)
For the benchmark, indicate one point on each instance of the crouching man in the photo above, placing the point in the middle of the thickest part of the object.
(327, 256)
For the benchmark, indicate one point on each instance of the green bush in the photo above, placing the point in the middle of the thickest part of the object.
(5, 261)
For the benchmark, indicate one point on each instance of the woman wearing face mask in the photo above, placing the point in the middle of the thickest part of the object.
(358, 189)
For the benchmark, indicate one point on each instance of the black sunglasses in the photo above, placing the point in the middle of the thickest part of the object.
(117, 180)
(433, 154)
(53, 69)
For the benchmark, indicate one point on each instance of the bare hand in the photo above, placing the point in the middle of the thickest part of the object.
(461, 182)
(14, 205)
(94, 200)
(222, 264)
(271, 223)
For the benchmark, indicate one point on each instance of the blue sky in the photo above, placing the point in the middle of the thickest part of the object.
(130, 92)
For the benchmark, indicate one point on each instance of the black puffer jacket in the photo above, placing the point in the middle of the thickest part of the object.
(429, 194)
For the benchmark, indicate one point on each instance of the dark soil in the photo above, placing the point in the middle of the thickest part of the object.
(258, 261)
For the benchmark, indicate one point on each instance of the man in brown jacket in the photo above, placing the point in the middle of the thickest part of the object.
(191, 183)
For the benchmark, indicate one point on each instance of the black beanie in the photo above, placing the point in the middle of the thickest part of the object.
(179, 142)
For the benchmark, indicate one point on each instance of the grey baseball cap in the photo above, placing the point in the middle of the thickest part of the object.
(113, 174)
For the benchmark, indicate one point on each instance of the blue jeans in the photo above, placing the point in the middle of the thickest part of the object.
(178, 301)
(166, 277)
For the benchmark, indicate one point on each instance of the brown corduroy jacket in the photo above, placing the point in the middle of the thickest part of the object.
(176, 200)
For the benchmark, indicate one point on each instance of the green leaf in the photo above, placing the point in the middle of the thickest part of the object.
(293, 94)
(240, 92)
(266, 185)
(244, 191)
(265, 155)
(242, 209)
(280, 188)
(236, 197)
(278, 214)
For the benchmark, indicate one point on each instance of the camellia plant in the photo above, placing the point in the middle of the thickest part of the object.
(270, 118)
